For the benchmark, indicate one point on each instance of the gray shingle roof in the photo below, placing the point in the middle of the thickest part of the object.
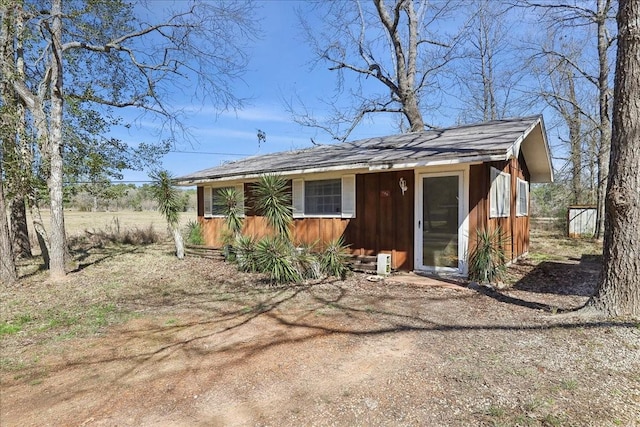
(461, 144)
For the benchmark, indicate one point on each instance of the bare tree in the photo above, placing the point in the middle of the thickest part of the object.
(486, 71)
(571, 19)
(619, 285)
(400, 46)
(563, 98)
(124, 62)
(12, 132)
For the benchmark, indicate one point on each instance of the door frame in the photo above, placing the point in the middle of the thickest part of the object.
(463, 220)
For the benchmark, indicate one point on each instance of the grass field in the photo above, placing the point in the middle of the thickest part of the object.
(77, 223)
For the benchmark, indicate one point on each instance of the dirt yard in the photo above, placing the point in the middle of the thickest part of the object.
(135, 337)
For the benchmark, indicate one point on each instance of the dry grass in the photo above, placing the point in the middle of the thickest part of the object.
(78, 223)
(136, 337)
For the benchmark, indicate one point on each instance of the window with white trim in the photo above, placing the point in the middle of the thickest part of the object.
(325, 197)
(214, 204)
(499, 195)
(522, 200)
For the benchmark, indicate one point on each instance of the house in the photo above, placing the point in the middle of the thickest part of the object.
(417, 196)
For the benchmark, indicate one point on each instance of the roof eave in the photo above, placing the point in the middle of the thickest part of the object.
(350, 167)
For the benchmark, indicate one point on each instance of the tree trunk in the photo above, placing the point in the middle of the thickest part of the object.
(58, 241)
(8, 273)
(619, 285)
(41, 232)
(19, 230)
(603, 8)
(571, 115)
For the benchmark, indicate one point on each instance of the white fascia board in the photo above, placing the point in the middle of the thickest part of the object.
(353, 167)
(457, 161)
(514, 150)
(294, 172)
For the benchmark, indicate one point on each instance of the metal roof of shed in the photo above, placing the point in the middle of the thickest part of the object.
(489, 141)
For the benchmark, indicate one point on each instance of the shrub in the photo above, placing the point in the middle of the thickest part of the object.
(487, 263)
(334, 259)
(273, 200)
(114, 234)
(274, 256)
(307, 262)
(140, 236)
(246, 255)
(232, 210)
(195, 235)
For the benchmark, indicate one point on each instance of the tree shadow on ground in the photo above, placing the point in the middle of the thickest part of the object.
(576, 277)
(93, 256)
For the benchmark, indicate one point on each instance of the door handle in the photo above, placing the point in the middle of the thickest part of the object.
(419, 223)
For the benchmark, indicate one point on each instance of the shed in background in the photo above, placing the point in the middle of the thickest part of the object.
(581, 221)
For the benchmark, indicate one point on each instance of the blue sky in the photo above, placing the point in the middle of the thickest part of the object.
(279, 68)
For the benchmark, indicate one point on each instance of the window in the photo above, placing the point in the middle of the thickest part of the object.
(499, 196)
(214, 204)
(324, 198)
(522, 202)
(218, 204)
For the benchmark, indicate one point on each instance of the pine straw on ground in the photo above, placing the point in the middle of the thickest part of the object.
(137, 337)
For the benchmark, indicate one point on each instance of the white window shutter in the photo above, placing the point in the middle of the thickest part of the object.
(522, 198)
(493, 193)
(507, 198)
(240, 191)
(207, 200)
(297, 191)
(349, 196)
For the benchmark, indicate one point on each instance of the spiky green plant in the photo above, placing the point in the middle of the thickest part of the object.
(232, 211)
(307, 262)
(273, 200)
(274, 257)
(195, 234)
(169, 204)
(334, 259)
(246, 255)
(487, 263)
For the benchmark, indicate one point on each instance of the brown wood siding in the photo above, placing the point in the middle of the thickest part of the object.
(515, 228)
(384, 221)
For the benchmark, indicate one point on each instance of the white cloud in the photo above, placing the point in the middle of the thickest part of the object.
(263, 113)
(259, 114)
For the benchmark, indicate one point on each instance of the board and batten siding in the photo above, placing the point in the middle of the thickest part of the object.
(515, 228)
(383, 223)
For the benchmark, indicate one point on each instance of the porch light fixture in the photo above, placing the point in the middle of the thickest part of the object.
(403, 185)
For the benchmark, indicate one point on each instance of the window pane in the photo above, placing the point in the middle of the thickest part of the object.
(218, 206)
(323, 197)
(523, 207)
(500, 194)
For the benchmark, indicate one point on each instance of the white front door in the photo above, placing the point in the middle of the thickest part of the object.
(440, 245)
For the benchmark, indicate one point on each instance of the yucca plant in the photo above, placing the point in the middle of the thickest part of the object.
(169, 205)
(195, 235)
(273, 200)
(246, 254)
(232, 211)
(487, 263)
(334, 259)
(307, 262)
(274, 257)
